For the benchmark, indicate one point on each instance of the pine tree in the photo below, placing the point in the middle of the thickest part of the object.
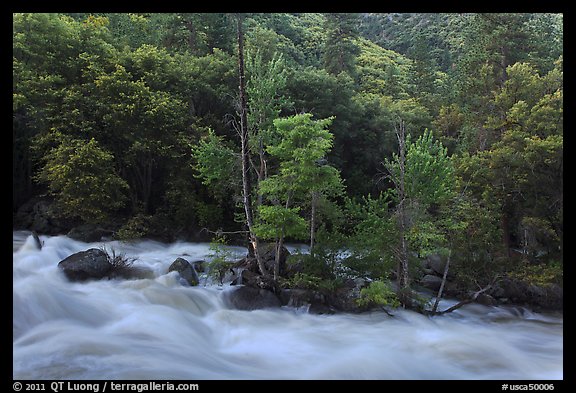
(340, 50)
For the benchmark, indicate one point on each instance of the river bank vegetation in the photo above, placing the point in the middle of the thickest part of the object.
(380, 140)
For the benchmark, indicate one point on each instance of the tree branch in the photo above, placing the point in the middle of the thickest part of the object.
(220, 232)
(466, 301)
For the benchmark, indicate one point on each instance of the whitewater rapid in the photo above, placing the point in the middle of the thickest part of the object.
(158, 329)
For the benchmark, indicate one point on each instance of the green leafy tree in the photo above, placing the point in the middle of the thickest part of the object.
(523, 166)
(149, 120)
(304, 144)
(52, 56)
(340, 49)
(266, 80)
(370, 221)
(82, 178)
(382, 71)
(422, 175)
(216, 164)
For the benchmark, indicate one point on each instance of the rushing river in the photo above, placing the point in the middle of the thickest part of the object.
(159, 329)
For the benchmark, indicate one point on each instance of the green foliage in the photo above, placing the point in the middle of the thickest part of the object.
(266, 80)
(448, 125)
(428, 171)
(524, 178)
(304, 143)
(119, 261)
(370, 244)
(340, 48)
(136, 227)
(303, 281)
(426, 237)
(382, 71)
(82, 178)
(541, 274)
(304, 140)
(216, 164)
(277, 222)
(221, 259)
(324, 261)
(186, 205)
(128, 115)
(378, 293)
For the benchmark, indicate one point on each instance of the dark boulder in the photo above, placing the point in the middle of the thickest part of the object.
(268, 255)
(548, 297)
(131, 273)
(315, 300)
(37, 242)
(247, 272)
(85, 265)
(199, 266)
(297, 297)
(186, 270)
(248, 298)
(88, 233)
(515, 291)
(246, 263)
(345, 297)
(240, 276)
(431, 282)
(320, 308)
(267, 252)
(437, 264)
(486, 300)
(36, 215)
(94, 264)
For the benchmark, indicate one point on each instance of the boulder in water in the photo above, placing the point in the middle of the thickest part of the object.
(248, 298)
(199, 265)
(344, 298)
(546, 297)
(132, 273)
(431, 282)
(267, 253)
(435, 264)
(186, 270)
(298, 297)
(87, 233)
(85, 265)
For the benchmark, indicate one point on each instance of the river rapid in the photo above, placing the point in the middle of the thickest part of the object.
(158, 329)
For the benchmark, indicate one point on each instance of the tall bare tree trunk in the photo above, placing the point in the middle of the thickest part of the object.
(313, 221)
(441, 290)
(403, 277)
(246, 181)
(279, 245)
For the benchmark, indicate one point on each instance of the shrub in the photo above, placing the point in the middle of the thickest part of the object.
(378, 293)
(118, 261)
(136, 227)
(81, 176)
(220, 260)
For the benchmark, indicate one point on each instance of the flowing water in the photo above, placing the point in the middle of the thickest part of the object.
(157, 328)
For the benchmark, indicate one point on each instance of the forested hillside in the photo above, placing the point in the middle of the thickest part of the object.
(394, 136)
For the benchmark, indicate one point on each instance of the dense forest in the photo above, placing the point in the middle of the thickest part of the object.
(391, 136)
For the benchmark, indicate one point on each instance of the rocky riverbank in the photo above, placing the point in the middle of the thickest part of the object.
(256, 291)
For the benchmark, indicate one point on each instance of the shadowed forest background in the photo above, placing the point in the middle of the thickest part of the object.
(385, 134)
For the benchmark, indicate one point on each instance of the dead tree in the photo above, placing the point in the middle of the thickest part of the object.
(245, 153)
